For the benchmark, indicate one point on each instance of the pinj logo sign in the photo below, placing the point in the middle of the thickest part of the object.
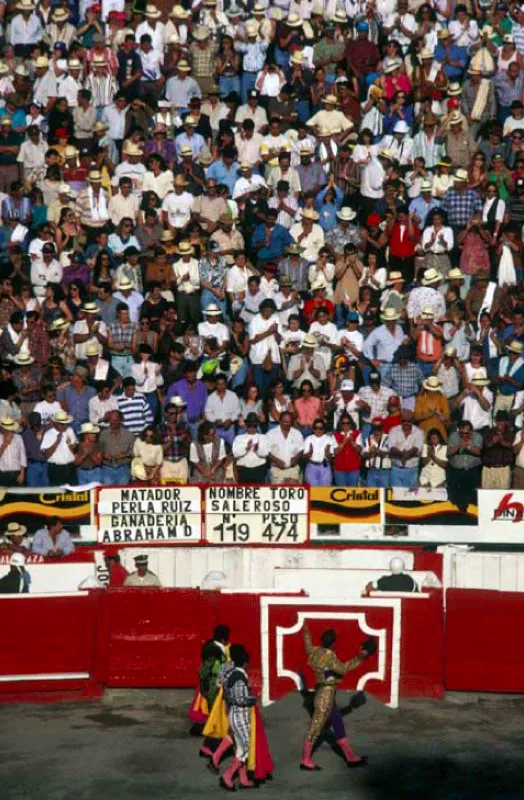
(508, 511)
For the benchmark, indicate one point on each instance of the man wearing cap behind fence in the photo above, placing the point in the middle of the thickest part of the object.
(17, 580)
(142, 578)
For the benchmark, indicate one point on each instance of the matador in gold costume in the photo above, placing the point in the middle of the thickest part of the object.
(329, 671)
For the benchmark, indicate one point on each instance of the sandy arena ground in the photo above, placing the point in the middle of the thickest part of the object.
(135, 744)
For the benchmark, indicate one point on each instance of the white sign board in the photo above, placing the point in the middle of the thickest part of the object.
(270, 515)
(149, 515)
(501, 515)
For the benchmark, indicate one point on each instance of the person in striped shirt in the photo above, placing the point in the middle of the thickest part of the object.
(134, 408)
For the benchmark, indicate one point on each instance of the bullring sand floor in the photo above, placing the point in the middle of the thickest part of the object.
(135, 744)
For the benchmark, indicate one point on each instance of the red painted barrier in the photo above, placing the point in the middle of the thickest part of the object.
(484, 648)
(49, 641)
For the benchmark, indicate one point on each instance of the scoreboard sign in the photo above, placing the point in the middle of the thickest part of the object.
(270, 515)
(152, 515)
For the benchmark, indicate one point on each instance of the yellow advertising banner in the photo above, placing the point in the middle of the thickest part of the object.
(344, 505)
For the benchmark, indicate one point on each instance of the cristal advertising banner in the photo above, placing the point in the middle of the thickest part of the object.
(345, 505)
(34, 507)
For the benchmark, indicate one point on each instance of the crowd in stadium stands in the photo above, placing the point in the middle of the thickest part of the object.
(262, 242)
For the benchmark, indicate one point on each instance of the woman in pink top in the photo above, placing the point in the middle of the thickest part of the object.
(307, 408)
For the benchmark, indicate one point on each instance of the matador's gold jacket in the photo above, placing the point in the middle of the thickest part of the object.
(328, 669)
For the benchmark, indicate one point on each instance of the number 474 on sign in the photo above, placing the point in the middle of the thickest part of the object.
(280, 526)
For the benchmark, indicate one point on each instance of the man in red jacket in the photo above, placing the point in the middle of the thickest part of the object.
(404, 236)
(117, 573)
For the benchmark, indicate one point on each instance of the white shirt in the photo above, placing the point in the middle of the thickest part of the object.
(208, 450)
(44, 88)
(69, 88)
(151, 64)
(318, 446)
(160, 184)
(518, 402)
(133, 301)
(250, 458)
(236, 279)
(99, 408)
(311, 243)
(324, 334)
(350, 407)
(438, 246)
(500, 209)
(80, 327)
(13, 459)
(178, 208)
(62, 454)
(219, 409)
(285, 448)
(519, 460)
(217, 330)
(372, 179)
(22, 32)
(46, 410)
(116, 120)
(148, 376)
(157, 36)
(42, 274)
(399, 441)
(473, 412)
(181, 268)
(32, 155)
(259, 351)
(464, 35)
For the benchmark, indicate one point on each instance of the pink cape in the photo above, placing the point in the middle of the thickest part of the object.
(263, 761)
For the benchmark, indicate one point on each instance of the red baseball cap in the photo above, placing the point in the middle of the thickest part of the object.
(374, 219)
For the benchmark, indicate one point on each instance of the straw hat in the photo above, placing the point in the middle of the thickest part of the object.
(191, 121)
(387, 154)
(152, 12)
(15, 529)
(177, 401)
(340, 17)
(330, 99)
(131, 149)
(318, 283)
(212, 310)
(480, 380)
(9, 424)
(234, 11)
(455, 118)
(89, 427)
(515, 347)
(42, 62)
(450, 351)
(4, 69)
(99, 61)
(59, 15)
(430, 276)
(90, 307)
(426, 53)
(310, 213)
(92, 350)
(454, 90)
(166, 236)
(183, 66)
(432, 384)
(186, 150)
(395, 277)
(426, 186)
(293, 21)
(62, 418)
(455, 274)
(443, 33)
(74, 63)
(201, 33)
(185, 249)
(306, 149)
(58, 324)
(205, 158)
(180, 180)
(309, 340)
(294, 249)
(70, 152)
(100, 126)
(179, 12)
(25, 5)
(251, 27)
(23, 359)
(124, 284)
(461, 175)
(297, 57)
(390, 315)
(95, 176)
(428, 312)
(346, 214)
(392, 66)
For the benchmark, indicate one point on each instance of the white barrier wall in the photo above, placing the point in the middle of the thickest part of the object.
(253, 568)
(497, 571)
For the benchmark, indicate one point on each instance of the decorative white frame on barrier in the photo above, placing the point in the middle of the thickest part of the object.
(394, 603)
